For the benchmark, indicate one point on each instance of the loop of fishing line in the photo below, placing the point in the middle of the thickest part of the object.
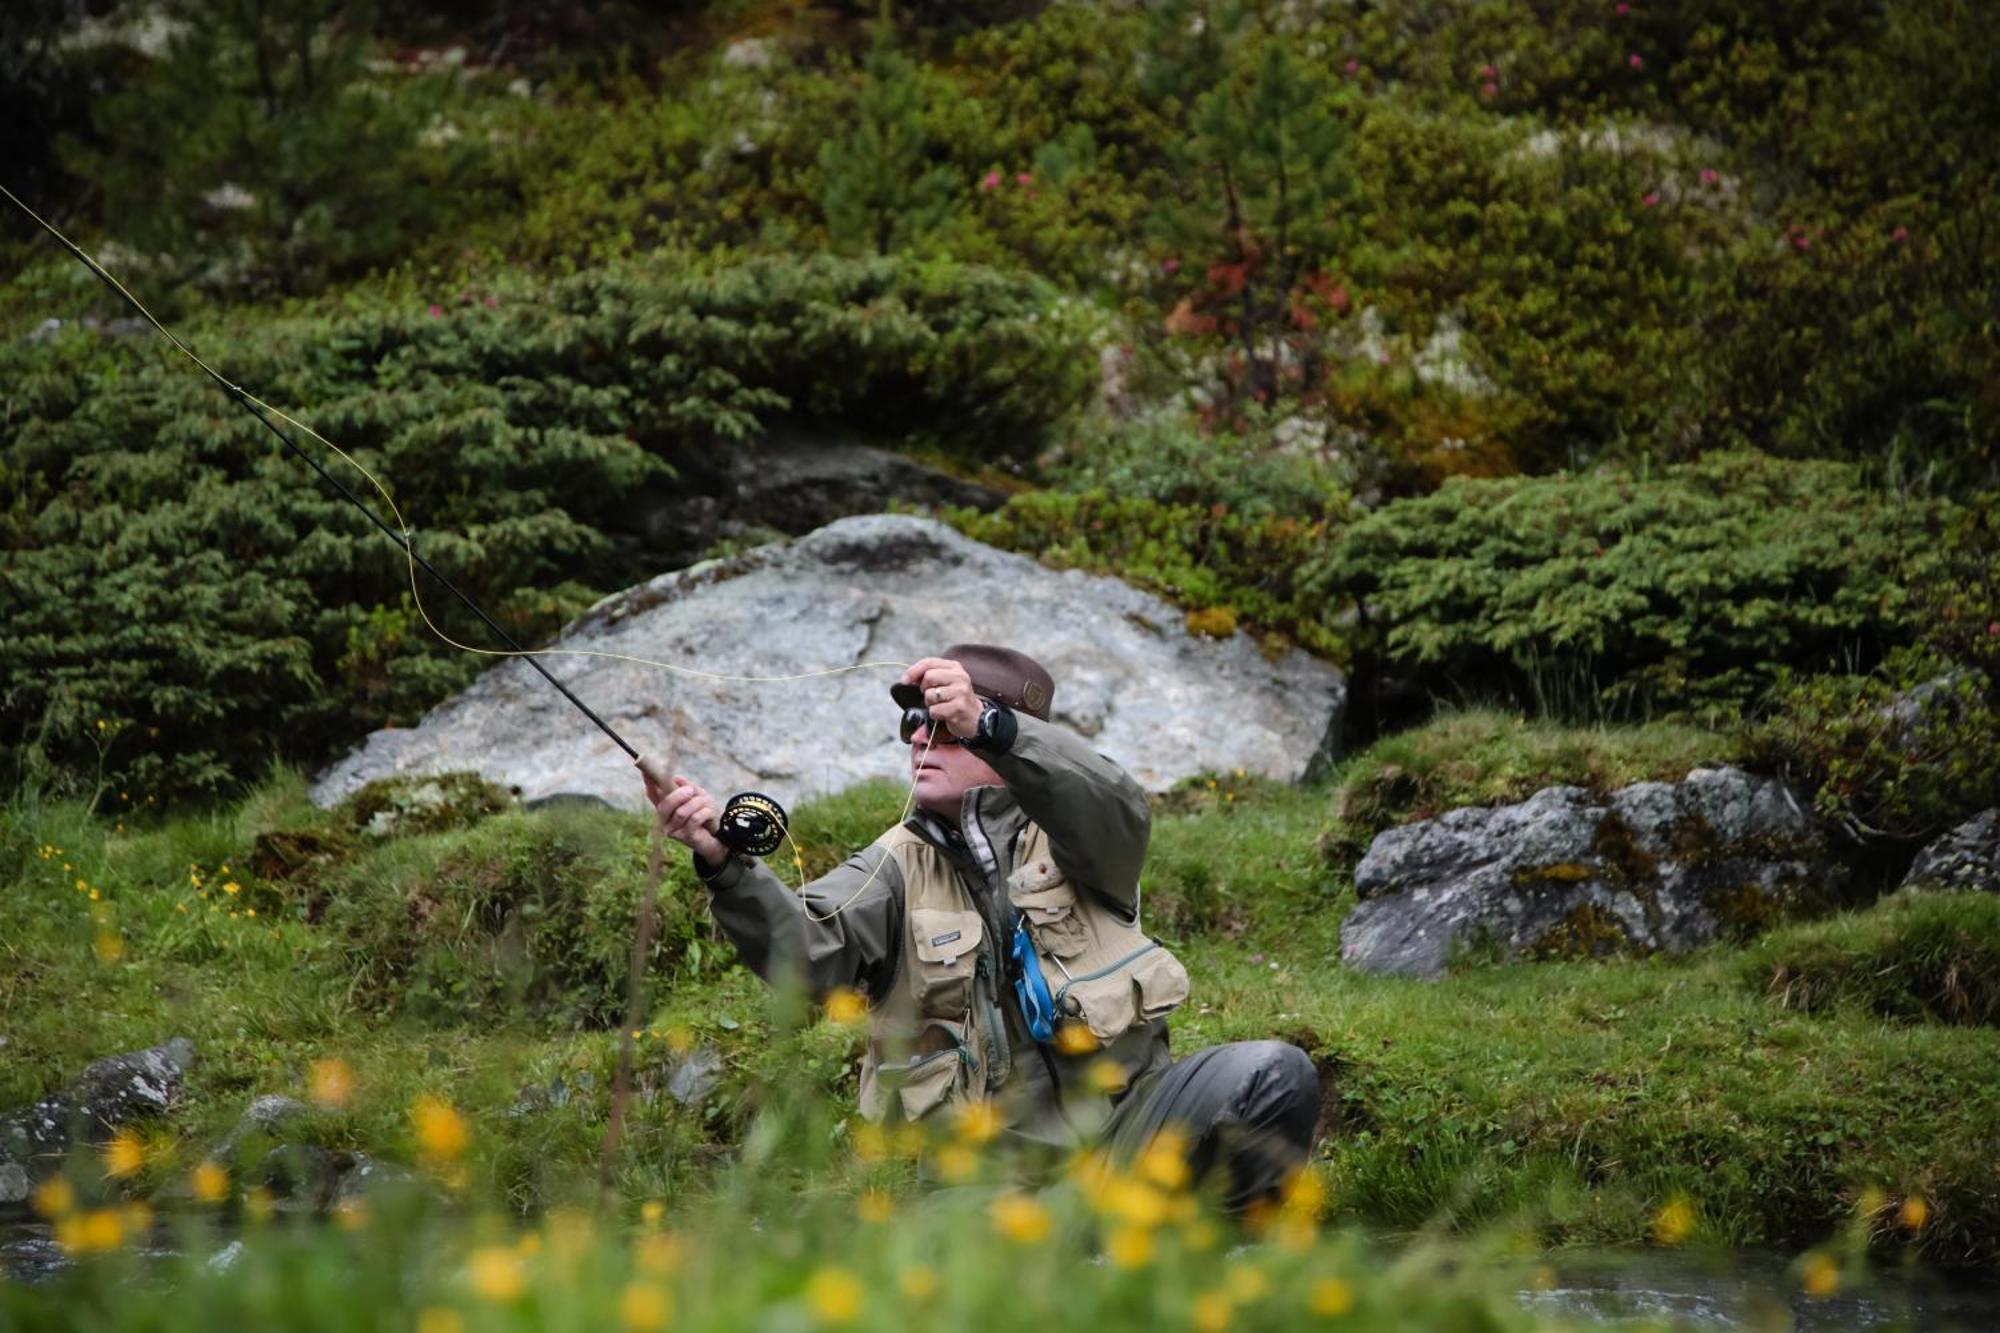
(408, 543)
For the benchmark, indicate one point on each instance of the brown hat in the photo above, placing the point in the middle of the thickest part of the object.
(1013, 679)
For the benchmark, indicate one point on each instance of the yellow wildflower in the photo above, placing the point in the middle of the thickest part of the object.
(530, 1244)
(232, 887)
(95, 895)
(1129, 1247)
(1246, 1284)
(1074, 1038)
(108, 947)
(441, 1131)
(90, 1232)
(658, 1253)
(834, 1296)
(645, 1307)
(680, 1040)
(1210, 1313)
(1135, 1202)
(1330, 1298)
(917, 1283)
(1305, 1194)
(979, 1121)
(1674, 1222)
(82, 886)
(1821, 1276)
(250, 911)
(1914, 1213)
(956, 1163)
(495, 1273)
(1020, 1219)
(874, 1207)
(1164, 1161)
(210, 1182)
(871, 1141)
(1106, 1076)
(54, 1197)
(330, 1083)
(651, 1211)
(125, 1155)
(846, 1006)
(439, 1319)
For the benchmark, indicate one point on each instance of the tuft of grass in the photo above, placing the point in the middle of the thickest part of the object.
(1484, 757)
(1922, 957)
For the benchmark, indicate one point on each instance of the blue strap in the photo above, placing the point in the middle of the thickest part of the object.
(1031, 989)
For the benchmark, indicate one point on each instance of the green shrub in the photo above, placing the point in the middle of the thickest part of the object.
(1901, 753)
(260, 150)
(1479, 757)
(1206, 558)
(1931, 957)
(185, 601)
(1628, 593)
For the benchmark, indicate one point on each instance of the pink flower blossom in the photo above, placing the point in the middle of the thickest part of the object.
(1489, 90)
(1636, 61)
(1488, 72)
(1800, 241)
(491, 300)
(1353, 67)
(1621, 9)
(1024, 179)
(1709, 175)
(1652, 199)
(991, 181)
(436, 310)
(1900, 235)
(1993, 629)
(1170, 266)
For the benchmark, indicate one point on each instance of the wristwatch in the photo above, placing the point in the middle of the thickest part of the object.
(996, 729)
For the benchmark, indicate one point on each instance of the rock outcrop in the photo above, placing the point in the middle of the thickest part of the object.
(35, 1139)
(1655, 866)
(858, 594)
(1967, 858)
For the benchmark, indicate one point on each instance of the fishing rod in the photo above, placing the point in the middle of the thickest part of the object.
(751, 822)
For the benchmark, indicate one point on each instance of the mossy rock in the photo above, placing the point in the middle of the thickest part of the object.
(431, 803)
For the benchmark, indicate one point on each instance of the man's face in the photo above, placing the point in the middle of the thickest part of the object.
(944, 773)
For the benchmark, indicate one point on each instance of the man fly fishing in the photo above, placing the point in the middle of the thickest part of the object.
(996, 936)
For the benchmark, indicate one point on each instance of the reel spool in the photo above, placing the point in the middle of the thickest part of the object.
(752, 823)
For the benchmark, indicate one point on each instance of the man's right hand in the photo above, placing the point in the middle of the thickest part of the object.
(690, 816)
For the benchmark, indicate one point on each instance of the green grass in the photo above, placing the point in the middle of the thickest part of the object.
(1571, 1099)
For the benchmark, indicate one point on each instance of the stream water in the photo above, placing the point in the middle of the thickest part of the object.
(1748, 1290)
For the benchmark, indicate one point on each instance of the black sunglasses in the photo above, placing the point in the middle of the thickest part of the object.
(921, 717)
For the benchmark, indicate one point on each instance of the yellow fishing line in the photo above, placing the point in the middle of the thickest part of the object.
(409, 552)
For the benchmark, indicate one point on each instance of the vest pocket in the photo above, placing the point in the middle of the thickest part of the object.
(1053, 917)
(946, 944)
(1145, 984)
(937, 1072)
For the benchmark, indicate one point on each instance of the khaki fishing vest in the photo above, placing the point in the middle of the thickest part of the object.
(938, 1035)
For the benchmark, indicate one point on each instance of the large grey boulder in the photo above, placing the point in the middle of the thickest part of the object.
(859, 593)
(136, 1085)
(1653, 867)
(1967, 858)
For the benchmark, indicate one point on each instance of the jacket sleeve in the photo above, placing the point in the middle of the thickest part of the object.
(841, 930)
(1097, 818)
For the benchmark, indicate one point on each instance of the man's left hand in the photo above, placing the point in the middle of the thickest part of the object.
(948, 694)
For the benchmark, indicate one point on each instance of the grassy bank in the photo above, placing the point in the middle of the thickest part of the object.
(481, 962)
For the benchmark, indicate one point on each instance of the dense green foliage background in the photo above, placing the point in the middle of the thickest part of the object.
(532, 269)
